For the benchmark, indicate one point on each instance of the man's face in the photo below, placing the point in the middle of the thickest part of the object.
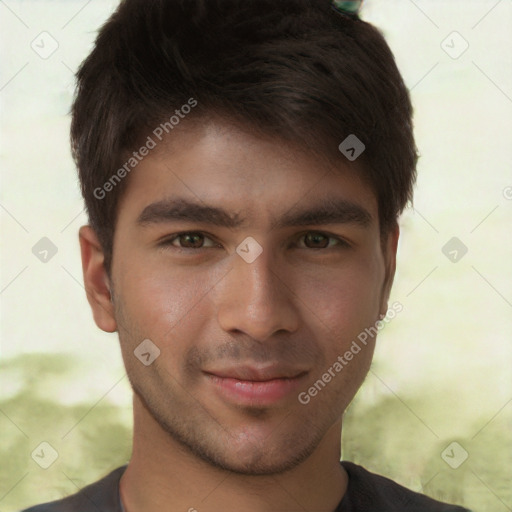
(220, 313)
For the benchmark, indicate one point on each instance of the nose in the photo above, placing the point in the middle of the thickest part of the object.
(257, 299)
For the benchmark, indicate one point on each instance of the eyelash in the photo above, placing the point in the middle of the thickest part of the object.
(342, 244)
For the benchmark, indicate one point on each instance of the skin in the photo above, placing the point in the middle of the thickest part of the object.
(300, 303)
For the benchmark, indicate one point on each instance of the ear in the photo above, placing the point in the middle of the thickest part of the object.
(389, 247)
(96, 280)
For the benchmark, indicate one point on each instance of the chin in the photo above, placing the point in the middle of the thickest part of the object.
(257, 464)
(252, 457)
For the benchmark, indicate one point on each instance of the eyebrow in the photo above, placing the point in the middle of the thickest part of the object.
(330, 211)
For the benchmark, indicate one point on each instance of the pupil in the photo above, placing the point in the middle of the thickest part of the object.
(189, 239)
(316, 238)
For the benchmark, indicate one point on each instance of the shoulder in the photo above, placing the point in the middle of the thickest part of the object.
(371, 492)
(101, 495)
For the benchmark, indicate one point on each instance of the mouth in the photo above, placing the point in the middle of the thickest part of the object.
(244, 385)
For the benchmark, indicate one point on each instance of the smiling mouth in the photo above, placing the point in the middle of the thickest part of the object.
(258, 373)
(253, 387)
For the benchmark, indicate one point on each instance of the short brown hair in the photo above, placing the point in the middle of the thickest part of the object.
(296, 69)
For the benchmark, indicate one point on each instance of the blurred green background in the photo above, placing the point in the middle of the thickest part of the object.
(386, 435)
(442, 370)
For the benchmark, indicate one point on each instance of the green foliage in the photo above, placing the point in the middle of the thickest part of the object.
(89, 442)
(387, 436)
(391, 438)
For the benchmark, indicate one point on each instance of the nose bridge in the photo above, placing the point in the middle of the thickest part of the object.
(255, 299)
(261, 279)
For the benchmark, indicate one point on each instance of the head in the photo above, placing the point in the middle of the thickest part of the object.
(223, 119)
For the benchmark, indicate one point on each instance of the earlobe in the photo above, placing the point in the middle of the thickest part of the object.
(390, 248)
(96, 280)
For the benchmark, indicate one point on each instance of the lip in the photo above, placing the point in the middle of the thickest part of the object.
(255, 386)
(258, 373)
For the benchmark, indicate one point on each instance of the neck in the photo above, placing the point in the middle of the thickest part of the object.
(163, 475)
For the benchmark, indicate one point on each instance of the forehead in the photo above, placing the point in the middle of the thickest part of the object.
(228, 167)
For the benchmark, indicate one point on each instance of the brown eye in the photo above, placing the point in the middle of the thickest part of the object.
(316, 240)
(191, 240)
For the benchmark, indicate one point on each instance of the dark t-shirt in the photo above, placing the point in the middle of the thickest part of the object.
(366, 492)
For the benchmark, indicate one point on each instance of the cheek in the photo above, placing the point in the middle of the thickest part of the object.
(164, 299)
(345, 300)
